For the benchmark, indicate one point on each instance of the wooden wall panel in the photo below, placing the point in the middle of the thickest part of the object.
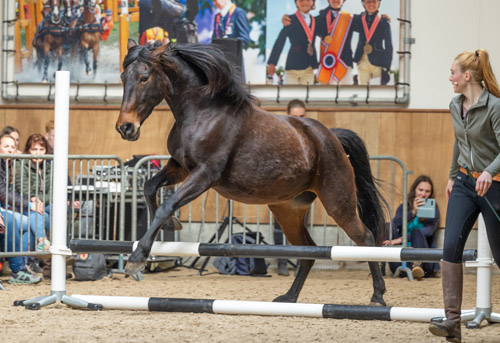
(421, 139)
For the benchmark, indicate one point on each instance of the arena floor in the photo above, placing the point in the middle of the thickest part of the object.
(59, 323)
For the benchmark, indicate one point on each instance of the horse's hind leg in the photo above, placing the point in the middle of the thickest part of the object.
(290, 215)
(342, 207)
(171, 174)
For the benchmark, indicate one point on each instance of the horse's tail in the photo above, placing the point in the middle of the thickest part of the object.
(371, 203)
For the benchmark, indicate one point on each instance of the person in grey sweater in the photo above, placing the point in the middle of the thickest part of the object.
(474, 180)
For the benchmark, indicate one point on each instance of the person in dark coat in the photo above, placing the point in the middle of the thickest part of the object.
(421, 231)
(301, 59)
(231, 22)
(373, 53)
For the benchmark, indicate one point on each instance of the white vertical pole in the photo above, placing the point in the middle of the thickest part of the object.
(484, 257)
(60, 188)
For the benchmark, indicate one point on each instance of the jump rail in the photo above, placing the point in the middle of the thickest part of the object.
(335, 253)
(262, 308)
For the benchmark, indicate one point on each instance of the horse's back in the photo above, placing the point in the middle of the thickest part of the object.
(276, 157)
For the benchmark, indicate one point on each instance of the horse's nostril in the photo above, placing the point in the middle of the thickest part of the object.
(127, 129)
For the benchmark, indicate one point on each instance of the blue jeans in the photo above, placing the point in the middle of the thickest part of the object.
(35, 230)
(12, 235)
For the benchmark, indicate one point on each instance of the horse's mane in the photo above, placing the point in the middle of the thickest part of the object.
(215, 74)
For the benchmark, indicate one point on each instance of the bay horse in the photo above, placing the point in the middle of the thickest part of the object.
(49, 38)
(90, 35)
(222, 140)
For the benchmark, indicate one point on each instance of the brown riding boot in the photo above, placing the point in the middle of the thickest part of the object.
(452, 279)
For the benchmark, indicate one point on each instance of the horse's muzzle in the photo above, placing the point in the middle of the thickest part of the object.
(128, 131)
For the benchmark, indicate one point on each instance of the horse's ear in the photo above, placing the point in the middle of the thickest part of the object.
(160, 50)
(131, 43)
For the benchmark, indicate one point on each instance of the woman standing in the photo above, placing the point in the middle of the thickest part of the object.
(474, 183)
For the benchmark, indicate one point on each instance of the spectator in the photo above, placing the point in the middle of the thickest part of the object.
(421, 231)
(14, 222)
(49, 136)
(14, 133)
(107, 24)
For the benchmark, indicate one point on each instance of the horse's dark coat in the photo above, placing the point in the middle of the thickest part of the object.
(221, 140)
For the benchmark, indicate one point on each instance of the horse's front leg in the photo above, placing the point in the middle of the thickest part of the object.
(197, 182)
(86, 59)
(95, 50)
(171, 174)
(46, 60)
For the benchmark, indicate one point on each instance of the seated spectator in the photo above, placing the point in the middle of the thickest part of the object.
(49, 136)
(420, 231)
(11, 222)
(35, 178)
(14, 133)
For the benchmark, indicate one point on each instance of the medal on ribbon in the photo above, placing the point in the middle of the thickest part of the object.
(308, 30)
(310, 50)
(227, 28)
(368, 48)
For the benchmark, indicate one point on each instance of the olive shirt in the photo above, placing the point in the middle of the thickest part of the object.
(35, 184)
(477, 138)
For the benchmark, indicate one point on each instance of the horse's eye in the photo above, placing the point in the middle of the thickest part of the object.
(144, 78)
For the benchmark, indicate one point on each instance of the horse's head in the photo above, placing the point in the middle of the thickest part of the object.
(144, 87)
(55, 15)
(90, 5)
(68, 9)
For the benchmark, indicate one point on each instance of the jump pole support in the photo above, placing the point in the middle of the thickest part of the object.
(59, 248)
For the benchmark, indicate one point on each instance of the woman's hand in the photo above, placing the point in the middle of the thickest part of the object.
(416, 203)
(395, 241)
(285, 20)
(449, 187)
(483, 183)
(37, 205)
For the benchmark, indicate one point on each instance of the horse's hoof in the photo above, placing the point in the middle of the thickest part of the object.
(285, 299)
(45, 81)
(173, 224)
(377, 303)
(134, 268)
(89, 73)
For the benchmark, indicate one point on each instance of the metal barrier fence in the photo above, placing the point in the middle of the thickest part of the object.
(112, 204)
(206, 219)
(96, 200)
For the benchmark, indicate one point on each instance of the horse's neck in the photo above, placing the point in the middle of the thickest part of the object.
(88, 17)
